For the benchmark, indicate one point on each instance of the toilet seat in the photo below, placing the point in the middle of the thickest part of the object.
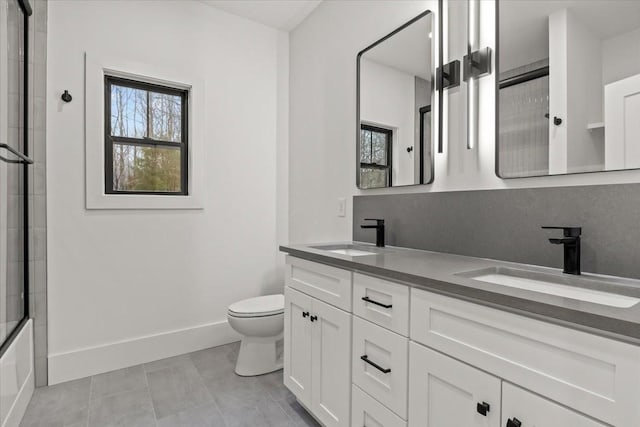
(268, 305)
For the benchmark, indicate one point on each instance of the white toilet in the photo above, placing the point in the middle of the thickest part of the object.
(260, 321)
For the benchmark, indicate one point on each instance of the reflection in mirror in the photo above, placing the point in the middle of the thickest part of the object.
(569, 87)
(395, 92)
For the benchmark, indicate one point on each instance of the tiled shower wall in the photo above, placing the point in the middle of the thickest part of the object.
(37, 185)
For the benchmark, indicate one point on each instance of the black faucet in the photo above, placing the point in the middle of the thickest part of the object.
(571, 242)
(379, 230)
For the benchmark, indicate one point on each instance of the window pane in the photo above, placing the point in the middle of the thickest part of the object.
(365, 146)
(379, 148)
(373, 178)
(166, 117)
(151, 169)
(128, 112)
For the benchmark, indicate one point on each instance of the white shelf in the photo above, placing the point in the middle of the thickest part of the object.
(593, 126)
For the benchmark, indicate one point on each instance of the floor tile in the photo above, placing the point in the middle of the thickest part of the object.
(70, 418)
(215, 361)
(191, 390)
(61, 402)
(131, 408)
(297, 413)
(203, 416)
(266, 413)
(128, 379)
(175, 388)
(176, 361)
(274, 385)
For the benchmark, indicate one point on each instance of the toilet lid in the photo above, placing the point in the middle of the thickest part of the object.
(261, 306)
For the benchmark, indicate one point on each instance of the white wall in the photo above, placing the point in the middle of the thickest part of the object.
(129, 286)
(621, 57)
(323, 122)
(387, 99)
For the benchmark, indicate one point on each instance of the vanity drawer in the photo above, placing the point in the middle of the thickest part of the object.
(597, 376)
(366, 411)
(381, 302)
(329, 284)
(380, 364)
(533, 410)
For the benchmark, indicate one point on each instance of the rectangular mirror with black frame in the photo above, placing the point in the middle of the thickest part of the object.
(395, 95)
(568, 92)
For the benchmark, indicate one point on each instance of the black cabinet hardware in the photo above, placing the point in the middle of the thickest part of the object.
(313, 318)
(375, 365)
(483, 408)
(66, 96)
(571, 242)
(305, 314)
(367, 299)
(514, 422)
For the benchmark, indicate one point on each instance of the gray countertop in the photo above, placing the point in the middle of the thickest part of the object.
(444, 274)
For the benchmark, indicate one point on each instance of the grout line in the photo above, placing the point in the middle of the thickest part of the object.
(90, 397)
(215, 404)
(146, 381)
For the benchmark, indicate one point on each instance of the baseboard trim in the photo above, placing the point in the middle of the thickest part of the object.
(104, 358)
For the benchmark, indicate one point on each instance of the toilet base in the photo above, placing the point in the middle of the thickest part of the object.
(259, 355)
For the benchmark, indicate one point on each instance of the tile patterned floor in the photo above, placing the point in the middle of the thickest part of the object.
(193, 390)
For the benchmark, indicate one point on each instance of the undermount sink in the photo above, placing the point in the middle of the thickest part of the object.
(563, 286)
(350, 250)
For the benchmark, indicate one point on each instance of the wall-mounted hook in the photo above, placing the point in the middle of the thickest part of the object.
(409, 149)
(66, 96)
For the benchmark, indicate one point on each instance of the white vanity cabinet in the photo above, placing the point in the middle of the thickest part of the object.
(527, 409)
(448, 393)
(317, 345)
(384, 354)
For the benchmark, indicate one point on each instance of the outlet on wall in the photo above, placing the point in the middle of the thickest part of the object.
(342, 206)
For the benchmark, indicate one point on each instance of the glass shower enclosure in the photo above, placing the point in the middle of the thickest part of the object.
(14, 164)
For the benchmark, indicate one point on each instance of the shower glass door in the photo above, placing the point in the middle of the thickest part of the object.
(14, 162)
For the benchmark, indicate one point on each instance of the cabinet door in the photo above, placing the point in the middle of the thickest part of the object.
(531, 410)
(446, 393)
(297, 344)
(331, 364)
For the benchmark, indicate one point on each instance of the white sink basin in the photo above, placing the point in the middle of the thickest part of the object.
(547, 284)
(346, 249)
(350, 252)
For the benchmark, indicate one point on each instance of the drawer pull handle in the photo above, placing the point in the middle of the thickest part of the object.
(305, 314)
(483, 408)
(514, 422)
(375, 365)
(313, 318)
(367, 299)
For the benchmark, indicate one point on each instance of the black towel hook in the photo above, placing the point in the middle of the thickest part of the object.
(66, 96)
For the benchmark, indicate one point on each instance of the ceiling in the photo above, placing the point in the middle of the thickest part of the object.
(281, 14)
(524, 24)
(408, 51)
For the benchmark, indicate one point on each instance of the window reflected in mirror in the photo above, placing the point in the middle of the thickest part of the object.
(395, 93)
(569, 87)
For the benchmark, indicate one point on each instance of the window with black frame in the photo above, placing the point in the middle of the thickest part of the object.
(146, 139)
(375, 156)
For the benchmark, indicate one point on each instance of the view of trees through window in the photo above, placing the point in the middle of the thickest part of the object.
(375, 157)
(146, 142)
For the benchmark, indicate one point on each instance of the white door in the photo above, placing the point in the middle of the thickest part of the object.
(522, 408)
(621, 124)
(331, 364)
(297, 344)
(446, 393)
